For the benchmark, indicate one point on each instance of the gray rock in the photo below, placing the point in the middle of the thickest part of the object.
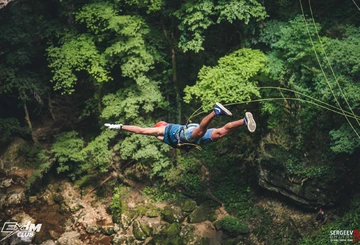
(91, 228)
(172, 214)
(32, 199)
(70, 238)
(11, 153)
(108, 230)
(4, 183)
(128, 217)
(48, 242)
(54, 235)
(15, 196)
(311, 193)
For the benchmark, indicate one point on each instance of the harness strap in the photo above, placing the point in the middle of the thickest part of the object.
(179, 144)
(172, 144)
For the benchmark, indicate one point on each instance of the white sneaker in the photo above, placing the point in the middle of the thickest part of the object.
(250, 122)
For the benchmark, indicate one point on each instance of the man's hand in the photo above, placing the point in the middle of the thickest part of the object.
(113, 126)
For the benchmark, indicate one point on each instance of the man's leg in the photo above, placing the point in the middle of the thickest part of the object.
(248, 120)
(199, 132)
(219, 110)
(218, 133)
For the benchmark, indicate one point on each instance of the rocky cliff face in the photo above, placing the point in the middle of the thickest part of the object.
(299, 173)
(308, 192)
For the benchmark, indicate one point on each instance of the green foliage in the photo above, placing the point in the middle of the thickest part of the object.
(44, 162)
(160, 194)
(265, 221)
(126, 104)
(344, 140)
(97, 153)
(75, 158)
(240, 10)
(23, 72)
(197, 16)
(149, 5)
(67, 152)
(234, 195)
(343, 69)
(234, 79)
(233, 226)
(145, 150)
(117, 206)
(8, 128)
(294, 64)
(187, 175)
(192, 183)
(79, 53)
(304, 170)
(111, 40)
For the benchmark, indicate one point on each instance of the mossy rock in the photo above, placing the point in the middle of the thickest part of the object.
(128, 217)
(232, 227)
(152, 213)
(188, 206)
(172, 214)
(149, 210)
(169, 236)
(138, 231)
(202, 213)
(11, 155)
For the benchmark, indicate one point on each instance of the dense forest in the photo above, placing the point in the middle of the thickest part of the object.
(67, 67)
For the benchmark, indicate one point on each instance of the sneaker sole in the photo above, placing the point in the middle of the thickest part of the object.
(251, 125)
(227, 112)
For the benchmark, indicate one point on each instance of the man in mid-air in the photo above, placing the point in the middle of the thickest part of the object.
(177, 135)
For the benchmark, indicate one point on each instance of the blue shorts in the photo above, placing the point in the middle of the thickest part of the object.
(186, 135)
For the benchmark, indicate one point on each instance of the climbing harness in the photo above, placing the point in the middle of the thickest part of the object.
(181, 145)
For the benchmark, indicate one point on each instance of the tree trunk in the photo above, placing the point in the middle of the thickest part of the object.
(99, 98)
(174, 78)
(174, 71)
(27, 118)
(51, 108)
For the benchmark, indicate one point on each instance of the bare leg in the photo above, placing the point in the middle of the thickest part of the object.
(200, 131)
(218, 133)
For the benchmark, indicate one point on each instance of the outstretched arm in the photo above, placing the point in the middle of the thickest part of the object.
(159, 131)
(147, 131)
